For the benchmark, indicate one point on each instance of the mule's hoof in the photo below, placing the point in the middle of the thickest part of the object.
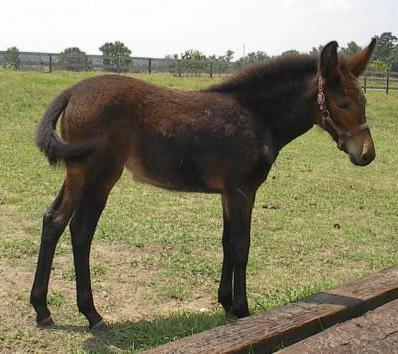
(228, 311)
(240, 313)
(46, 323)
(100, 326)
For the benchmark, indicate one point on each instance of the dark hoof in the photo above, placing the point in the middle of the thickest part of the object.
(240, 313)
(227, 308)
(228, 311)
(226, 303)
(100, 326)
(46, 323)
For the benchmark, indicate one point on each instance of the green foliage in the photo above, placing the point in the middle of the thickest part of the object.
(385, 44)
(394, 59)
(229, 55)
(11, 58)
(316, 51)
(73, 59)
(116, 55)
(193, 54)
(193, 61)
(253, 57)
(351, 49)
(291, 52)
(379, 65)
(387, 51)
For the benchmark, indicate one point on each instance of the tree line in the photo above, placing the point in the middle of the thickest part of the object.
(116, 53)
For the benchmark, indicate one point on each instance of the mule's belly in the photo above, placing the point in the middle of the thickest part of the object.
(176, 172)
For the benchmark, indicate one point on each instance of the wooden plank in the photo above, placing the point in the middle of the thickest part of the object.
(269, 331)
(374, 332)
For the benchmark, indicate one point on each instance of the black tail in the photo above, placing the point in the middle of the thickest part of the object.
(50, 143)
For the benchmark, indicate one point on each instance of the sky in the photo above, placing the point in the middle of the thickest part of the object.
(155, 28)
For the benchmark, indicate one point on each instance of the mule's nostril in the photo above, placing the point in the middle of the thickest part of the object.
(367, 157)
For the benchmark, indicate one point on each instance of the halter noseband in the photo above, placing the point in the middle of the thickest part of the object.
(328, 123)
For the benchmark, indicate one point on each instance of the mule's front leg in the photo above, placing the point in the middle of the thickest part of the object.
(239, 204)
(225, 289)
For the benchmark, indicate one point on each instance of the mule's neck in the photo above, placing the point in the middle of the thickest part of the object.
(291, 115)
(281, 96)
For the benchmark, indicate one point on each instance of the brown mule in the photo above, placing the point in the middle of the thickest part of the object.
(221, 140)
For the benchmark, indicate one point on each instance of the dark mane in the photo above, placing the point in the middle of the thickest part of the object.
(268, 75)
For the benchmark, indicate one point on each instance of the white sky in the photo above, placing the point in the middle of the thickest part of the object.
(156, 28)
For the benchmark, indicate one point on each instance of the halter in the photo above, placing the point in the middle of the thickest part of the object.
(328, 123)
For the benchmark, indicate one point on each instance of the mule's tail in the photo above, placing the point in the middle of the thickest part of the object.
(51, 144)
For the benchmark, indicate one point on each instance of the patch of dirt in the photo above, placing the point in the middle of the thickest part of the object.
(122, 290)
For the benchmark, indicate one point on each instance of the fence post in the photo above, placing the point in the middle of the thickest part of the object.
(118, 64)
(365, 81)
(179, 67)
(211, 69)
(86, 62)
(149, 65)
(50, 63)
(18, 63)
(387, 82)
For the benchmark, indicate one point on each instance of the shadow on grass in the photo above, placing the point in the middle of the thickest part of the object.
(143, 335)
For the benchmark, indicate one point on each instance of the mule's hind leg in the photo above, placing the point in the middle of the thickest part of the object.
(82, 227)
(54, 222)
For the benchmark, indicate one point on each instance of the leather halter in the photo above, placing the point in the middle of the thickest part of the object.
(328, 123)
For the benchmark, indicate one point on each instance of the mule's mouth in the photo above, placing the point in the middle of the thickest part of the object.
(360, 148)
(362, 160)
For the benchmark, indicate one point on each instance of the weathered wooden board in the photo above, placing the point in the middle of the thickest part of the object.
(374, 332)
(273, 330)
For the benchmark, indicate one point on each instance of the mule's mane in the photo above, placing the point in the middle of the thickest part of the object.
(279, 71)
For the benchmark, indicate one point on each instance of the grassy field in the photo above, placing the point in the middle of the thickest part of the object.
(318, 222)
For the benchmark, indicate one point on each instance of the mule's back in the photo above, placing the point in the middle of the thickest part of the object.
(173, 139)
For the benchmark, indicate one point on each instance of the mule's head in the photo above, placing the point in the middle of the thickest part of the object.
(342, 102)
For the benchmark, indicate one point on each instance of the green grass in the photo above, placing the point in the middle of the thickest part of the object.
(318, 222)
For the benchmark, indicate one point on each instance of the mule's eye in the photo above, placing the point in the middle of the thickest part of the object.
(343, 105)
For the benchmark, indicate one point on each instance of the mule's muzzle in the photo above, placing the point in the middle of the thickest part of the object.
(364, 159)
(360, 148)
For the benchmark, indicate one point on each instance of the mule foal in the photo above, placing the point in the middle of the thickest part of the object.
(223, 140)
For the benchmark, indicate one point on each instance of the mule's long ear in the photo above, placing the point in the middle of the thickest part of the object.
(328, 64)
(360, 60)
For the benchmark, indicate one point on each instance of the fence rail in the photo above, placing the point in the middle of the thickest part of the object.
(49, 62)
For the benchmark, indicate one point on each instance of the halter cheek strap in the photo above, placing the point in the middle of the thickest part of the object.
(328, 123)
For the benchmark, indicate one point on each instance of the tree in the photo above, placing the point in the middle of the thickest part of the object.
(291, 52)
(116, 55)
(229, 55)
(316, 51)
(73, 59)
(384, 46)
(253, 57)
(193, 61)
(11, 58)
(379, 65)
(193, 54)
(351, 49)
(394, 59)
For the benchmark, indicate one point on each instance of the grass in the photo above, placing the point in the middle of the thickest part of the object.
(318, 222)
